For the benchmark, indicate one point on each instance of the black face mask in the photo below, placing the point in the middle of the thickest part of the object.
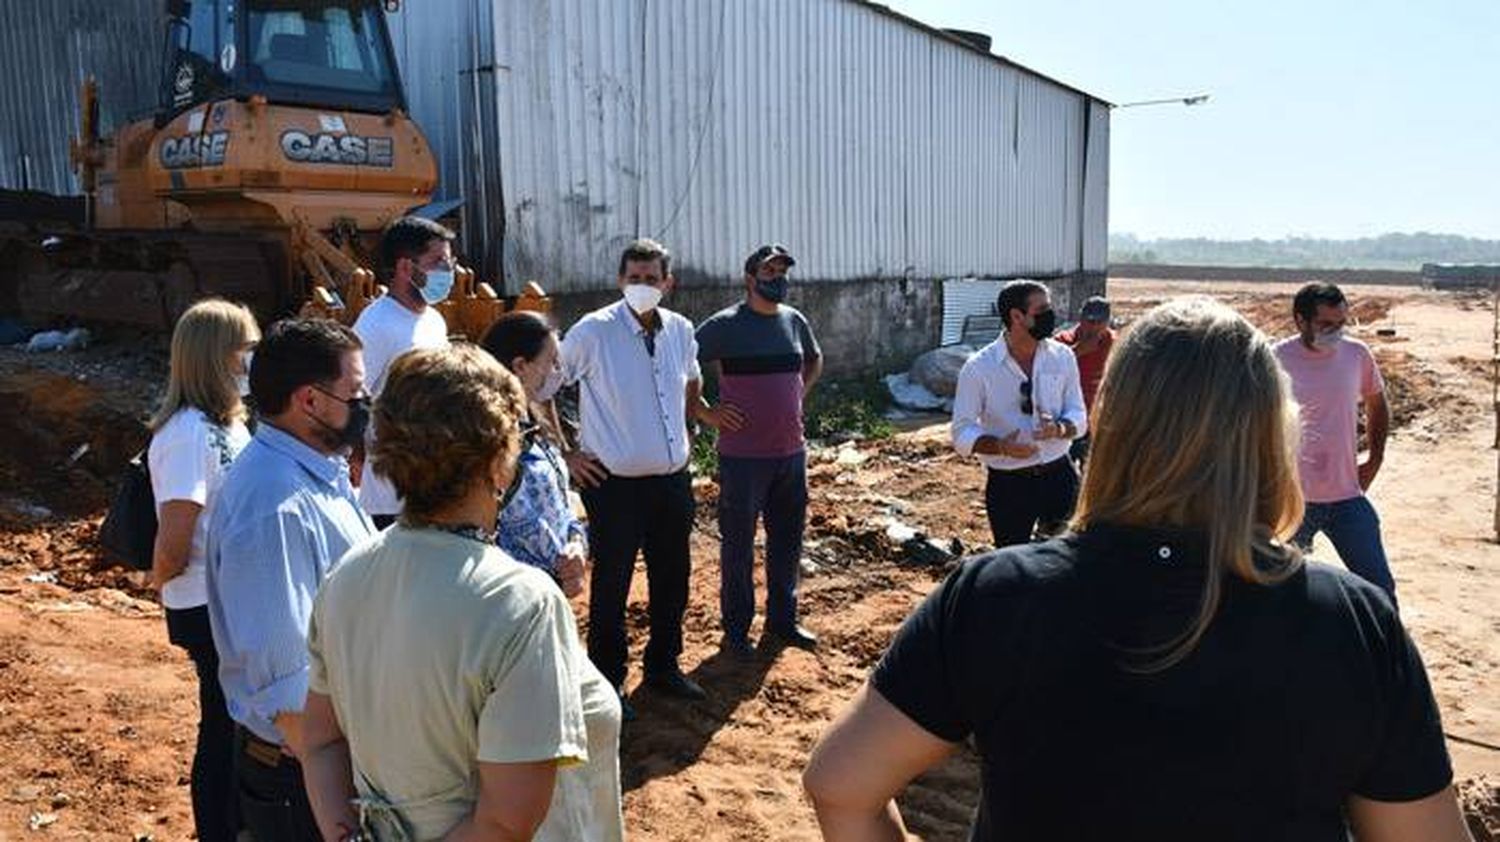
(1043, 324)
(353, 432)
(771, 289)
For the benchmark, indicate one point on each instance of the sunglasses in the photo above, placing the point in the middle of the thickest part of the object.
(1026, 406)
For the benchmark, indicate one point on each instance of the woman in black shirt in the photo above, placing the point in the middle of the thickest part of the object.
(1171, 669)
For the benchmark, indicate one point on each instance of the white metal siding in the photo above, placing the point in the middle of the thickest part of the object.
(47, 49)
(869, 146)
(1096, 204)
(966, 297)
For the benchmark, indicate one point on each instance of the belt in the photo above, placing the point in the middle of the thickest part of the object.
(1034, 470)
(261, 751)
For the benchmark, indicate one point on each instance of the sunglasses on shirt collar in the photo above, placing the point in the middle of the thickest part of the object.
(1026, 406)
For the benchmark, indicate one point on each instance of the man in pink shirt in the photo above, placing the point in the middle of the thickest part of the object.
(1332, 374)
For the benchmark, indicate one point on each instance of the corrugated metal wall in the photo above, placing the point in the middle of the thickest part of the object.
(966, 297)
(867, 145)
(47, 48)
(1096, 200)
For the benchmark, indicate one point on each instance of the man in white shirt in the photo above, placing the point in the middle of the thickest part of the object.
(416, 256)
(636, 365)
(1018, 408)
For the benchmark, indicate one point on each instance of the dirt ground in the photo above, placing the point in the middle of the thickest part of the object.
(97, 711)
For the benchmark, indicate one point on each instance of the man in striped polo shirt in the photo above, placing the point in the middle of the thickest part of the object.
(766, 359)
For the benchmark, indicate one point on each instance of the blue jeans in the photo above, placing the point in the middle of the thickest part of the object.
(1354, 528)
(749, 489)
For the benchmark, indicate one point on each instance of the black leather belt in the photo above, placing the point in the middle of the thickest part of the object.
(1034, 470)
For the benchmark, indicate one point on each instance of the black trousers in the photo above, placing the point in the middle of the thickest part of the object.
(1036, 499)
(273, 800)
(215, 808)
(651, 515)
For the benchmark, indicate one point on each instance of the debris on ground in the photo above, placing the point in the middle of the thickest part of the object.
(910, 395)
(1480, 799)
(850, 456)
(937, 370)
(59, 340)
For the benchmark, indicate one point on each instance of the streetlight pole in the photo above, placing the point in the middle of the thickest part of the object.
(1195, 99)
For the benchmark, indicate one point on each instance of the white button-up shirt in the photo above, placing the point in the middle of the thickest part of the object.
(632, 404)
(988, 401)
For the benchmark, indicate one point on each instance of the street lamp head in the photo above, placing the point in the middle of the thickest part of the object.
(1195, 99)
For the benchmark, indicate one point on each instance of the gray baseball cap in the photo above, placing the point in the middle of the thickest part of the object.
(1096, 309)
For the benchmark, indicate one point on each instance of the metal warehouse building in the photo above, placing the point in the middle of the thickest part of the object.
(889, 156)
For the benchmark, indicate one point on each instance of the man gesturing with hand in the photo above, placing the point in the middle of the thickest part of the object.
(1018, 407)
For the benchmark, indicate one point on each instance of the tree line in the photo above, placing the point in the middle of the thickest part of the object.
(1387, 251)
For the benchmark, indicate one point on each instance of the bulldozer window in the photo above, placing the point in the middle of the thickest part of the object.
(326, 48)
(193, 73)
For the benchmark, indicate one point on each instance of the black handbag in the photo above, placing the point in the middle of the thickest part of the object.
(128, 534)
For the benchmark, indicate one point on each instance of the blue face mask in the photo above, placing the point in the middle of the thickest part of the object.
(436, 284)
(771, 289)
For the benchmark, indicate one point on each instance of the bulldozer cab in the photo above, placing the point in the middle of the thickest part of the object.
(332, 54)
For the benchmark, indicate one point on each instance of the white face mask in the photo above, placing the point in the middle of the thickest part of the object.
(549, 386)
(1325, 341)
(642, 298)
(242, 380)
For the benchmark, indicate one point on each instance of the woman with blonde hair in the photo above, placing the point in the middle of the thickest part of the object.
(449, 697)
(1171, 668)
(195, 436)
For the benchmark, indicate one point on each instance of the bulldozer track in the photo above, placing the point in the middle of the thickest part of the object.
(143, 279)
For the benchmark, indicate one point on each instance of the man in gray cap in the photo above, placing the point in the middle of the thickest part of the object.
(1090, 341)
(766, 359)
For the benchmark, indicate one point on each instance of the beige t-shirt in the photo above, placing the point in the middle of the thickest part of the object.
(440, 652)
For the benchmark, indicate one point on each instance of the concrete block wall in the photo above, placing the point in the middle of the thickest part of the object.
(866, 327)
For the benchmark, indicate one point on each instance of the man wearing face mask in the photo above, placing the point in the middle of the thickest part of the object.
(284, 515)
(636, 366)
(766, 359)
(1332, 375)
(1018, 407)
(416, 257)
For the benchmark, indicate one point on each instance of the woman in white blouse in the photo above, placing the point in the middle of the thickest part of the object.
(195, 435)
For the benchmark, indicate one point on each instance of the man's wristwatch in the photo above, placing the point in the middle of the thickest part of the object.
(1066, 428)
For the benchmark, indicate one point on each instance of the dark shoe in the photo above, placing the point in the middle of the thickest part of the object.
(674, 683)
(794, 636)
(738, 648)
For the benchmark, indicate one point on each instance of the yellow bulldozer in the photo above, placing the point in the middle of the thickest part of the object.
(279, 149)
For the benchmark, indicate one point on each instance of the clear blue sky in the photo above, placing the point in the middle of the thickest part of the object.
(1329, 118)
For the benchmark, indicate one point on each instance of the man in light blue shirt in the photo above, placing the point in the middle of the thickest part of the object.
(284, 516)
